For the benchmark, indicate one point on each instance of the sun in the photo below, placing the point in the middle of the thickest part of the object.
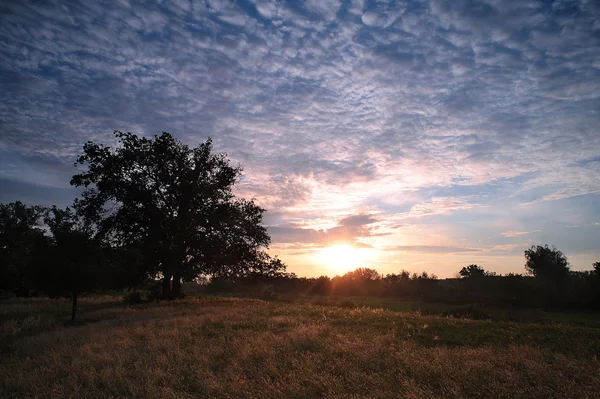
(342, 258)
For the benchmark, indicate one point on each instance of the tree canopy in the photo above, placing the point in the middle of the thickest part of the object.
(20, 230)
(75, 261)
(176, 204)
(546, 263)
(472, 271)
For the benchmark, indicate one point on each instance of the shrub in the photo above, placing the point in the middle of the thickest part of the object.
(474, 312)
(133, 298)
(266, 292)
(321, 301)
(347, 303)
(289, 298)
(4, 294)
(154, 291)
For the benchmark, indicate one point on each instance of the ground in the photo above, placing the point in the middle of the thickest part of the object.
(247, 348)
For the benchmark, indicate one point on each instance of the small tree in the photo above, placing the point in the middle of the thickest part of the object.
(363, 274)
(596, 266)
(546, 263)
(74, 263)
(20, 234)
(472, 271)
(393, 278)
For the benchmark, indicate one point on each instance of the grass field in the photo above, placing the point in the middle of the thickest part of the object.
(245, 348)
(478, 312)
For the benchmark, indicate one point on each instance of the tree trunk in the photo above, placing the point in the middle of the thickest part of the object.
(74, 309)
(176, 290)
(166, 288)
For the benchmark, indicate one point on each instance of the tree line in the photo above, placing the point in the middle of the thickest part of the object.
(152, 209)
(548, 281)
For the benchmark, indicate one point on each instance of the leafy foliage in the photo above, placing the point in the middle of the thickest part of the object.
(20, 235)
(546, 263)
(175, 203)
(363, 274)
(472, 271)
(75, 262)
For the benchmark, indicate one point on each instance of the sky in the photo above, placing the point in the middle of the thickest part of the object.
(418, 135)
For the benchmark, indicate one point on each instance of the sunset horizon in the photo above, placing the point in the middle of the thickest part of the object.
(417, 135)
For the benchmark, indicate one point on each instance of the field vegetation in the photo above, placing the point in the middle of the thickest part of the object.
(247, 348)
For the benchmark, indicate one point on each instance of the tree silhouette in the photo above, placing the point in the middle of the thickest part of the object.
(75, 261)
(546, 263)
(175, 203)
(20, 233)
(472, 271)
(401, 277)
(363, 274)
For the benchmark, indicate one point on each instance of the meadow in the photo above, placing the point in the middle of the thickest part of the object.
(218, 347)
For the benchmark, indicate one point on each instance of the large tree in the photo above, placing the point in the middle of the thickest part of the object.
(175, 204)
(545, 263)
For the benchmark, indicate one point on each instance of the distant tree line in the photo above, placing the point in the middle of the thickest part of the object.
(156, 210)
(152, 209)
(547, 282)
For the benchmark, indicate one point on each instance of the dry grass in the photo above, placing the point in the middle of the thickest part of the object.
(241, 348)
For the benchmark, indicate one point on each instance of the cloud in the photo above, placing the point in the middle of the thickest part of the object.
(433, 249)
(512, 234)
(512, 248)
(439, 205)
(432, 110)
(357, 220)
(325, 8)
(348, 229)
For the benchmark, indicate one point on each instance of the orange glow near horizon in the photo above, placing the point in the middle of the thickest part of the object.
(342, 258)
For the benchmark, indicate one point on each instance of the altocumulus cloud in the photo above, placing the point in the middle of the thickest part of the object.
(474, 121)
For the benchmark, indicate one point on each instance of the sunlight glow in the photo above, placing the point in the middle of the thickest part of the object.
(341, 258)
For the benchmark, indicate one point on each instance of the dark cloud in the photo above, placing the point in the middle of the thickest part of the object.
(349, 229)
(357, 220)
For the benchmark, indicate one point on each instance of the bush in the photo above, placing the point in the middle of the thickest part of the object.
(266, 293)
(154, 291)
(474, 312)
(133, 298)
(4, 294)
(347, 303)
(289, 298)
(321, 301)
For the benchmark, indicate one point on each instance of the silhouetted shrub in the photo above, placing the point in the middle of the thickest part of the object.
(474, 312)
(526, 316)
(321, 301)
(133, 298)
(4, 294)
(472, 271)
(347, 303)
(154, 291)
(290, 298)
(266, 293)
